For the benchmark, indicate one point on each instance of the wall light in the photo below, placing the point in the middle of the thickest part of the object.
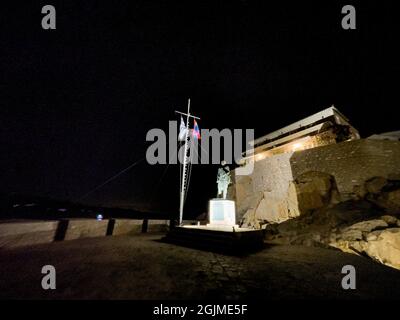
(297, 146)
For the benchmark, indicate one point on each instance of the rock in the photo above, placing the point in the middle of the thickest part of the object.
(340, 227)
(369, 238)
(384, 194)
(361, 230)
(372, 236)
(368, 226)
(390, 200)
(342, 245)
(272, 209)
(390, 220)
(352, 235)
(316, 237)
(393, 199)
(308, 192)
(315, 190)
(250, 202)
(385, 248)
(250, 220)
(375, 185)
(357, 246)
(267, 208)
(262, 209)
(359, 192)
(271, 229)
(347, 212)
(332, 238)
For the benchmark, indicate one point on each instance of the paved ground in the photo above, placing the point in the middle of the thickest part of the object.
(143, 267)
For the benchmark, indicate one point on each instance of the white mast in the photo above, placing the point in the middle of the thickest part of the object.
(185, 162)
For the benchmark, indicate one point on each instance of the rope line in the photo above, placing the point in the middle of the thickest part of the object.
(111, 179)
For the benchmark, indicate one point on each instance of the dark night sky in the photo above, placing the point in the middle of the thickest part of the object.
(76, 102)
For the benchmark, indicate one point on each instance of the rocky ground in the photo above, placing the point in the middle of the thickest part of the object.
(144, 267)
(368, 225)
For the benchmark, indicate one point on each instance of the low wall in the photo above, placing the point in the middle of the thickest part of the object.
(85, 229)
(127, 227)
(157, 226)
(16, 234)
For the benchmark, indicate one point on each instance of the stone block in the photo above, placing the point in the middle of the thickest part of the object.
(127, 227)
(85, 228)
(157, 226)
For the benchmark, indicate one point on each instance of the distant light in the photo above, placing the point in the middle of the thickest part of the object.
(30, 205)
(99, 217)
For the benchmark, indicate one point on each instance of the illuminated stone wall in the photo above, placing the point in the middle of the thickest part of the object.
(273, 192)
(307, 142)
(264, 194)
(351, 163)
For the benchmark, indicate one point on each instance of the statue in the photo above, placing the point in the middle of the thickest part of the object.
(223, 180)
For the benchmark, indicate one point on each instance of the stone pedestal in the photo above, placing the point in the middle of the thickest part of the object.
(221, 213)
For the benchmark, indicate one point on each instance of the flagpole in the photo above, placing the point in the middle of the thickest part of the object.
(185, 161)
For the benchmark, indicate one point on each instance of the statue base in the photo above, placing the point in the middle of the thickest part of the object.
(221, 213)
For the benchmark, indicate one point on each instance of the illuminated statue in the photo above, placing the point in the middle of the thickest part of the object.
(223, 180)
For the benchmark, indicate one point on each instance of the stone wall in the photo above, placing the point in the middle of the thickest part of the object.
(351, 163)
(264, 194)
(127, 226)
(16, 234)
(285, 185)
(25, 233)
(84, 228)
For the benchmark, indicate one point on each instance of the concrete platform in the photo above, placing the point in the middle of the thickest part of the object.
(217, 238)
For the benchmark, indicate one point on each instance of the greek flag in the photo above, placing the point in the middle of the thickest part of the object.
(182, 131)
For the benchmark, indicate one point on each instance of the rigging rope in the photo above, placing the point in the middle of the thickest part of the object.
(163, 174)
(190, 167)
(111, 179)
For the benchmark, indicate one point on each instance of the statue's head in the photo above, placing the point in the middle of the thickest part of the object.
(223, 163)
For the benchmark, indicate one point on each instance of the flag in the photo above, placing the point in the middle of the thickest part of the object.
(196, 131)
(182, 131)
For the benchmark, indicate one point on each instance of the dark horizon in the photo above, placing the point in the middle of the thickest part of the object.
(79, 100)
